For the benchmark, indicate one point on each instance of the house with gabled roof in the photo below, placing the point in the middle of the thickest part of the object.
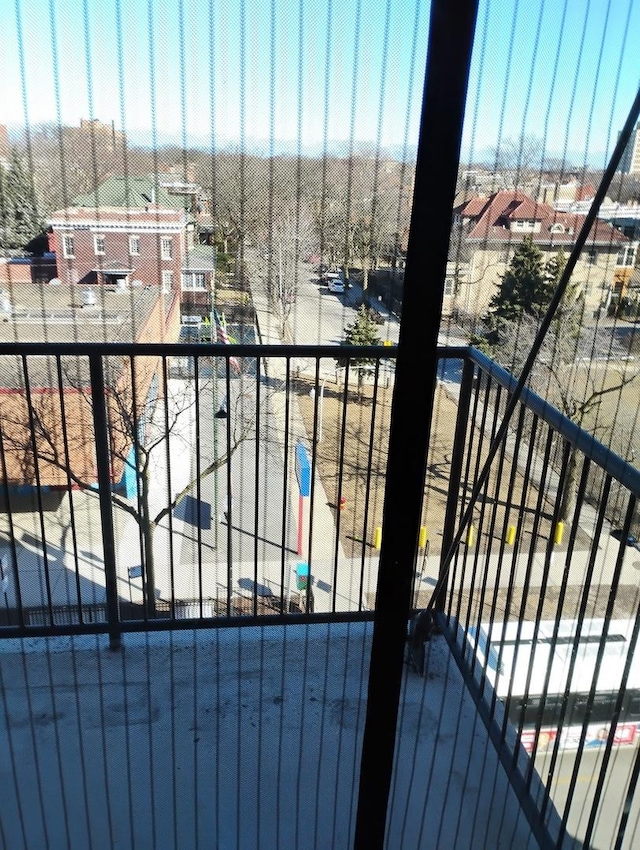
(491, 227)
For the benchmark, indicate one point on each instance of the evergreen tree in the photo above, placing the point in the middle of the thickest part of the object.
(362, 331)
(527, 286)
(19, 221)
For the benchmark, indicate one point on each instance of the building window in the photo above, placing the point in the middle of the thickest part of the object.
(166, 248)
(167, 280)
(194, 280)
(591, 256)
(134, 246)
(449, 287)
(503, 255)
(626, 256)
(98, 245)
(68, 248)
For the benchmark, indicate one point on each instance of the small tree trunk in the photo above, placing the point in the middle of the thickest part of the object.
(148, 528)
(365, 277)
(568, 500)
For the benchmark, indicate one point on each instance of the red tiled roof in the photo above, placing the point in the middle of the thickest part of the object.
(474, 207)
(505, 206)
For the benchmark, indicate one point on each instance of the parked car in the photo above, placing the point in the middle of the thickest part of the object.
(335, 283)
(617, 534)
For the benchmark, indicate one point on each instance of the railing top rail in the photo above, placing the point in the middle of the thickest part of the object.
(601, 455)
(200, 349)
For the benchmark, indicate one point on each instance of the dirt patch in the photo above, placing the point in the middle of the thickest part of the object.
(351, 460)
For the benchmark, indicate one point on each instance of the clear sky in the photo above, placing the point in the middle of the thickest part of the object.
(291, 69)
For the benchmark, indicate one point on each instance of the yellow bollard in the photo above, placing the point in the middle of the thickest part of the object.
(471, 535)
(423, 537)
(377, 537)
(557, 536)
(511, 535)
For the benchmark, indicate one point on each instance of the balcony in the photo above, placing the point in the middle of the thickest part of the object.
(235, 698)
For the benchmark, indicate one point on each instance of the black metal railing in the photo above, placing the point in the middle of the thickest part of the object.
(541, 607)
(141, 494)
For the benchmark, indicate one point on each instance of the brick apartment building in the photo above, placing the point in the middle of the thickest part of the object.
(130, 232)
(59, 408)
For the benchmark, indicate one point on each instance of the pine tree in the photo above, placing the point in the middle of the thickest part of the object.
(526, 287)
(362, 331)
(19, 221)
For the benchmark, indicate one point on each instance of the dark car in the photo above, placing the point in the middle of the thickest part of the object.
(617, 533)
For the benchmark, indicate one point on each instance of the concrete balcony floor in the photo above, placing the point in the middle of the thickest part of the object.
(235, 738)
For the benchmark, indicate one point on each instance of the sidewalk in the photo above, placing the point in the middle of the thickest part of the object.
(323, 531)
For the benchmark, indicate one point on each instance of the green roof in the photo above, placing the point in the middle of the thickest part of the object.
(129, 192)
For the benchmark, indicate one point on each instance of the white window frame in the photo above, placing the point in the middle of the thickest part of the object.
(166, 247)
(134, 240)
(591, 257)
(449, 287)
(167, 279)
(188, 284)
(68, 253)
(628, 254)
(97, 237)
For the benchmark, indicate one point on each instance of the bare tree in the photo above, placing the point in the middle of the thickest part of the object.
(54, 431)
(576, 370)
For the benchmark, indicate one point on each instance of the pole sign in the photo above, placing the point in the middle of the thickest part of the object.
(303, 470)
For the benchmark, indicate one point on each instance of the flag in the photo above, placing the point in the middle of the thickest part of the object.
(222, 338)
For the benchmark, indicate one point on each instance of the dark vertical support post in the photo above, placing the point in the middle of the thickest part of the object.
(451, 33)
(103, 462)
(455, 473)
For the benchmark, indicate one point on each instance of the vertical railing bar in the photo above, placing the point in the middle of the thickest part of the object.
(537, 518)
(142, 497)
(546, 466)
(285, 488)
(476, 555)
(501, 549)
(67, 464)
(455, 470)
(584, 600)
(596, 673)
(231, 410)
(36, 471)
(256, 495)
(198, 447)
(365, 521)
(556, 626)
(100, 427)
(493, 511)
(314, 465)
(172, 565)
(475, 437)
(615, 716)
(343, 435)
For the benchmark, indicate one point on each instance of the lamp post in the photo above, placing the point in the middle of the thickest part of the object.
(312, 393)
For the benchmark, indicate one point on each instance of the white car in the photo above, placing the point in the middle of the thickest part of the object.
(335, 283)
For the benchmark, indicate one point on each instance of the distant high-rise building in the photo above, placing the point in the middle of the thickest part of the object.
(630, 162)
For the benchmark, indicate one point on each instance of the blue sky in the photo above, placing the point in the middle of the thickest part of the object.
(289, 69)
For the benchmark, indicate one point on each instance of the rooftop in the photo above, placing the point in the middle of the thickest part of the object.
(267, 733)
(33, 312)
(131, 193)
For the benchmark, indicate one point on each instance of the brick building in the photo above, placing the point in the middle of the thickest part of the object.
(56, 397)
(130, 232)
